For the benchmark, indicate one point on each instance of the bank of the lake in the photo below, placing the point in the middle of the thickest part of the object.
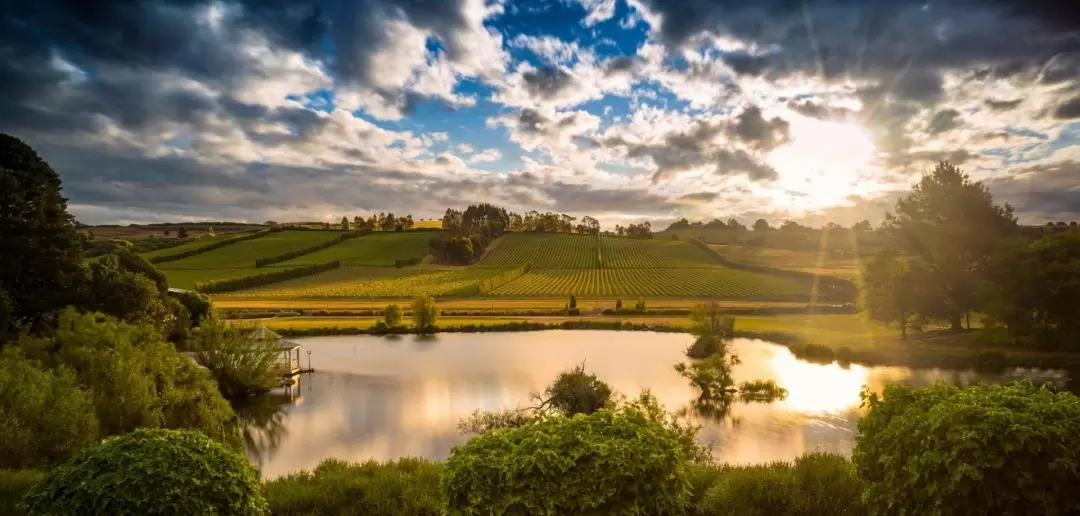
(389, 397)
(819, 337)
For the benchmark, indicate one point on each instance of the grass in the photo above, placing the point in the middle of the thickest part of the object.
(375, 249)
(838, 264)
(238, 260)
(189, 246)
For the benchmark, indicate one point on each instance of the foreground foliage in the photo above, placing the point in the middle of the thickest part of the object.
(167, 472)
(608, 462)
(240, 364)
(404, 487)
(986, 449)
(130, 375)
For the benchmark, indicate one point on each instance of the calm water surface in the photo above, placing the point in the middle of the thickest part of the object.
(388, 397)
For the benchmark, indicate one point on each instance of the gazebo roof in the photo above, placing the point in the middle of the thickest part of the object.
(264, 333)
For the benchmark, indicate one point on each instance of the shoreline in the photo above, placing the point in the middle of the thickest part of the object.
(931, 349)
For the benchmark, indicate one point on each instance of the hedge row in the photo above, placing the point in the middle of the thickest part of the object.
(829, 288)
(487, 285)
(258, 280)
(399, 263)
(263, 262)
(216, 245)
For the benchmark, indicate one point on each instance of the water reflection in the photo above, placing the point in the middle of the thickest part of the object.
(379, 398)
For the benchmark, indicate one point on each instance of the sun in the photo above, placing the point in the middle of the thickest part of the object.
(822, 164)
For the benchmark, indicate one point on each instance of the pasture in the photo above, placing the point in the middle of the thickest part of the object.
(375, 249)
(836, 263)
(238, 260)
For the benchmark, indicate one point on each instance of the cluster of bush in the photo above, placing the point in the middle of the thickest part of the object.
(217, 245)
(263, 262)
(266, 278)
(401, 263)
(1006, 449)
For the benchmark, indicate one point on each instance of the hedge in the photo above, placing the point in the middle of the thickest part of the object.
(216, 245)
(246, 282)
(263, 262)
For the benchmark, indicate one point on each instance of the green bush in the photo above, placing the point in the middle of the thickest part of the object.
(46, 415)
(166, 472)
(405, 487)
(987, 449)
(241, 365)
(608, 462)
(115, 361)
(13, 487)
(816, 484)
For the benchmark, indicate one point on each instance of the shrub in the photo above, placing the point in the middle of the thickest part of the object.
(752, 491)
(13, 487)
(827, 484)
(608, 462)
(987, 449)
(47, 416)
(173, 472)
(392, 315)
(577, 392)
(407, 486)
(117, 361)
(424, 314)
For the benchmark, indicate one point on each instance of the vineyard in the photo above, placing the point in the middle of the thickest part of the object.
(544, 251)
(706, 282)
(380, 282)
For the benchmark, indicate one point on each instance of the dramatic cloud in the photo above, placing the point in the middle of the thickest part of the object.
(637, 109)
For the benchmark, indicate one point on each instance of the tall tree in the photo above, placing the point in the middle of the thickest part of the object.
(950, 225)
(345, 223)
(761, 225)
(889, 289)
(40, 261)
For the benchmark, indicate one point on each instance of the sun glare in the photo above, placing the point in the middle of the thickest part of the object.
(821, 165)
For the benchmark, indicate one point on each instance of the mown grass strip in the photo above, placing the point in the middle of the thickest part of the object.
(263, 262)
(229, 285)
(216, 245)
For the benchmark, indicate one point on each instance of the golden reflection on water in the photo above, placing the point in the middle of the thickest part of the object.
(381, 399)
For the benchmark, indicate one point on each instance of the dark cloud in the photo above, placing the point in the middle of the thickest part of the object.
(745, 63)
(1068, 109)
(1002, 105)
(751, 127)
(547, 82)
(699, 197)
(577, 198)
(621, 64)
(819, 110)
(1041, 192)
(957, 157)
(943, 121)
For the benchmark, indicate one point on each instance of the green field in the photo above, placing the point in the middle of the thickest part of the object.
(190, 246)
(378, 249)
(238, 260)
(826, 263)
(377, 282)
(559, 265)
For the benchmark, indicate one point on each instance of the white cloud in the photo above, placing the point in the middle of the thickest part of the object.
(487, 156)
(598, 11)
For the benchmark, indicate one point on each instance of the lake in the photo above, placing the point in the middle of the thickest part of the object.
(389, 397)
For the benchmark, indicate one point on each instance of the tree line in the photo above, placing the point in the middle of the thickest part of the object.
(951, 252)
(762, 225)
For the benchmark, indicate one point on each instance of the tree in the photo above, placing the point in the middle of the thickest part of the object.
(128, 295)
(392, 315)
(862, 225)
(242, 364)
(358, 222)
(618, 305)
(573, 301)
(182, 232)
(711, 327)
(736, 225)
(424, 314)
(345, 223)
(210, 231)
(762, 225)
(167, 232)
(888, 289)
(949, 225)
(40, 262)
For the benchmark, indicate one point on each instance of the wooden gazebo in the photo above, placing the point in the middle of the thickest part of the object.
(288, 351)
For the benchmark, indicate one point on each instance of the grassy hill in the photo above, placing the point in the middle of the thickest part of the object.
(375, 249)
(238, 260)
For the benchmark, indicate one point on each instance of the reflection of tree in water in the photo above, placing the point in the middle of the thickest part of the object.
(711, 373)
(262, 424)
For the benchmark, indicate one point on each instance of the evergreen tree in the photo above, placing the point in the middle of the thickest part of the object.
(40, 261)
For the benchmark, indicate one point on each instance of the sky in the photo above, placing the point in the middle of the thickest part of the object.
(624, 110)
